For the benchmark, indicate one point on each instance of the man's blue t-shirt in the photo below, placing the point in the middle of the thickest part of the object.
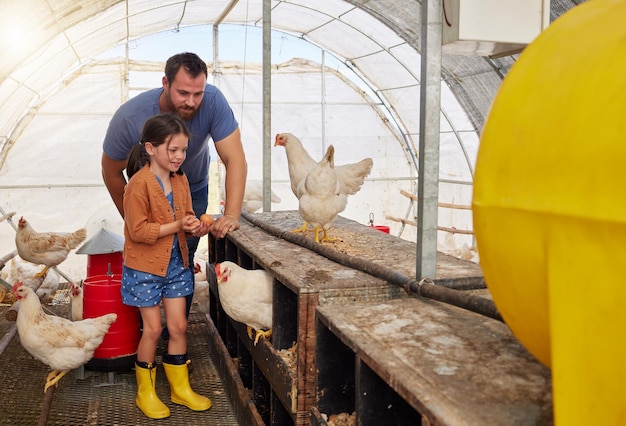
(214, 119)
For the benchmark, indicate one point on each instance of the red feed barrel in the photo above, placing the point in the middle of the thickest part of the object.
(101, 295)
(107, 263)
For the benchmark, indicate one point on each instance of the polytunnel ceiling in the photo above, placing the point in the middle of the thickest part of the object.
(41, 40)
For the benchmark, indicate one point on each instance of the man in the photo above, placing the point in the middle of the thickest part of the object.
(207, 114)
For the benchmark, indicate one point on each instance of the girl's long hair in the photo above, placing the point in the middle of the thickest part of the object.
(157, 130)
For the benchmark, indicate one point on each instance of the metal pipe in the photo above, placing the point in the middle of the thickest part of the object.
(8, 336)
(429, 138)
(216, 65)
(267, 105)
(425, 287)
(47, 405)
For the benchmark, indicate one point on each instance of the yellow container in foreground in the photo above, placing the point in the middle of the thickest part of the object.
(549, 208)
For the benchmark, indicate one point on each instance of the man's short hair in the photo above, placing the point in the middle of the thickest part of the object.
(190, 62)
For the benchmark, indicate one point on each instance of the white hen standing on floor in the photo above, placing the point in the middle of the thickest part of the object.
(201, 289)
(246, 296)
(319, 195)
(349, 176)
(57, 342)
(76, 301)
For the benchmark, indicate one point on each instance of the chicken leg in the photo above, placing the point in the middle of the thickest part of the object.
(325, 238)
(42, 273)
(303, 228)
(53, 378)
(267, 334)
(258, 334)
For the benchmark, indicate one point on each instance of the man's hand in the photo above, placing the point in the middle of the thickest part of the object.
(223, 225)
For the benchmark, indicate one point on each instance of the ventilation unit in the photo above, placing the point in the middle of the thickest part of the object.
(492, 27)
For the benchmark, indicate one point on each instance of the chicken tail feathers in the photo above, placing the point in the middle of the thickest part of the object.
(77, 237)
(352, 176)
(108, 318)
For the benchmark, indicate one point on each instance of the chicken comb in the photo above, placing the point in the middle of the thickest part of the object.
(17, 285)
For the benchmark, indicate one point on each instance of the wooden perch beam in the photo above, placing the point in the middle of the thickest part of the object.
(439, 228)
(4, 259)
(7, 216)
(445, 205)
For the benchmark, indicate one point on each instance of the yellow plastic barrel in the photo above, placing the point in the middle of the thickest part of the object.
(549, 208)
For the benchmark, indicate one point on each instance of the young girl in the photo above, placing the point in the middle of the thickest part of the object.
(158, 215)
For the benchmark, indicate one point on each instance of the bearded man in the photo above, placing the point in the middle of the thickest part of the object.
(207, 115)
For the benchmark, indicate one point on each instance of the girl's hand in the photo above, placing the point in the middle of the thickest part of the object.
(203, 229)
(190, 224)
(196, 227)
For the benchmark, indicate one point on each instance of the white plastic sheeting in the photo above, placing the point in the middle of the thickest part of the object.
(52, 176)
(57, 95)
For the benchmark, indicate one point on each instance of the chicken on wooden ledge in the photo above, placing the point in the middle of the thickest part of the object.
(246, 296)
(350, 177)
(57, 342)
(46, 248)
(319, 196)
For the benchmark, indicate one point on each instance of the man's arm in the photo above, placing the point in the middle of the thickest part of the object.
(114, 180)
(230, 150)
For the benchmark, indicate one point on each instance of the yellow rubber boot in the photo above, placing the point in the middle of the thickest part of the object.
(181, 392)
(147, 399)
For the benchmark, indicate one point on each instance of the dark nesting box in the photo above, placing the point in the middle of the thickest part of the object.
(414, 361)
(281, 375)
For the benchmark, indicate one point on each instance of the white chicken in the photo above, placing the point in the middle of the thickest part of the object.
(46, 248)
(76, 301)
(319, 197)
(349, 176)
(253, 196)
(201, 289)
(48, 287)
(246, 296)
(21, 270)
(57, 342)
(253, 193)
(199, 274)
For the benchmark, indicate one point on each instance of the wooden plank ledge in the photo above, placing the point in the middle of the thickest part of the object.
(451, 365)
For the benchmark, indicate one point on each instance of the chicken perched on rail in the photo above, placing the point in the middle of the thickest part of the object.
(57, 342)
(46, 248)
(319, 197)
(349, 176)
(246, 296)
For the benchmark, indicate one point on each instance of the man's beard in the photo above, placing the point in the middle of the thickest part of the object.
(183, 112)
